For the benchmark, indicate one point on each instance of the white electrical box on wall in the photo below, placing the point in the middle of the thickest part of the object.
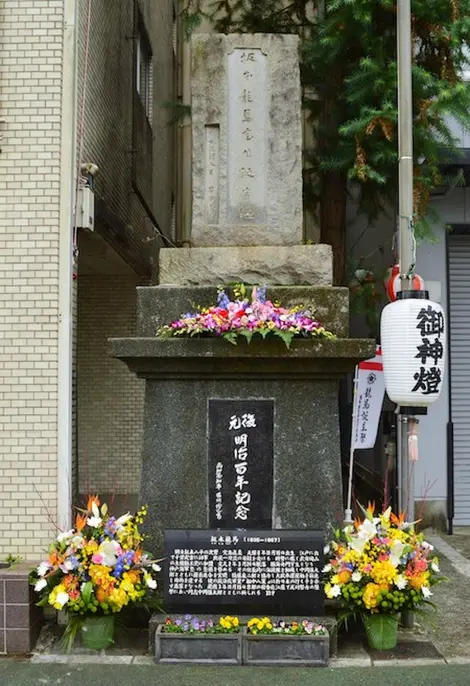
(86, 209)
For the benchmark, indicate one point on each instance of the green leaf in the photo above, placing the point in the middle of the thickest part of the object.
(87, 592)
(247, 333)
(231, 337)
(286, 336)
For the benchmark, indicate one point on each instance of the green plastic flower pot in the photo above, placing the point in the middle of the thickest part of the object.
(381, 631)
(97, 632)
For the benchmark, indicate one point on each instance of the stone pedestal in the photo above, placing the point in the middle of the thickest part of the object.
(182, 375)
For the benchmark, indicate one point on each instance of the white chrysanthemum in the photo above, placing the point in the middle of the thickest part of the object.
(151, 583)
(42, 583)
(62, 599)
(65, 535)
(326, 569)
(356, 576)
(401, 582)
(426, 591)
(335, 591)
(43, 568)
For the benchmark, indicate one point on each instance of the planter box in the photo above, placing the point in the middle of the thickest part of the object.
(283, 650)
(209, 649)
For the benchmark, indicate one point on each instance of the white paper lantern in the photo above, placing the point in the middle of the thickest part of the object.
(413, 339)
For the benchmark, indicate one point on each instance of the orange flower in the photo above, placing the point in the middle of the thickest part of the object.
(371, 509)
(70, 581)
(93, 499)
(55, 559)
(80, 522)
(133, 575)
(398, 521)
(344, 576)
(102, 594)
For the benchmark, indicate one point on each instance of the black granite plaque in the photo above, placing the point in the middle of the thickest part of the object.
(244, 572)
(241, 456)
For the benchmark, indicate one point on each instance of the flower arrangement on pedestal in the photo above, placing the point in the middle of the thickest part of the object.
(94, 570)
(379, 567)
(247, 317)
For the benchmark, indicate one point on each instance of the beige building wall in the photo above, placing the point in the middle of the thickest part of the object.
(110, 398)
(31, 47)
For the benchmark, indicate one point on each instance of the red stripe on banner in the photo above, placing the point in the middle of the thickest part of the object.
(377, 366)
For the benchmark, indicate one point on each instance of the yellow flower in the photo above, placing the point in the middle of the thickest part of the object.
(118, 598)
(383, 572)
(370, 595)
(417, 582)
(91, 547)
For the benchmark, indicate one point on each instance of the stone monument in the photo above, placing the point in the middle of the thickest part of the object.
(243, 436)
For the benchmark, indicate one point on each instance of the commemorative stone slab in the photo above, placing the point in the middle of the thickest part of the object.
(244, 571)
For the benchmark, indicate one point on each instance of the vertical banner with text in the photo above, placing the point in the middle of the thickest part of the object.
(368, 401)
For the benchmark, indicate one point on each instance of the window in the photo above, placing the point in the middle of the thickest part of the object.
(144, 71)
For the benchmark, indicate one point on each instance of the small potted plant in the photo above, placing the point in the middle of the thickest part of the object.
(95, 570)
(245, 318)
(285, 643)
(192, 640)
(379, 567)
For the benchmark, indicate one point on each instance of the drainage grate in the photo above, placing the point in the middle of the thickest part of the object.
(407, 650)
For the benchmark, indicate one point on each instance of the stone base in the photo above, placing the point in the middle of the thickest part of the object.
(22, 619)
(272, 265)
(285, 651)
(209, 649)
(303, 383)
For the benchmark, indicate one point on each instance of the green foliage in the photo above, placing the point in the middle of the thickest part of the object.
(350, 72)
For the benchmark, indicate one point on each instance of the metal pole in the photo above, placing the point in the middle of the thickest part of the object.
(405, 215)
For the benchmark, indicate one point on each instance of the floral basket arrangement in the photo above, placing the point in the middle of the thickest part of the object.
(286, 643)
(195, 640)
(264, 626)
(194, 625)
(246, 317)
(95, 570)
(379, 567)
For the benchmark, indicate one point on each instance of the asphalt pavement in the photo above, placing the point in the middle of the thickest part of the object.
(15, 673)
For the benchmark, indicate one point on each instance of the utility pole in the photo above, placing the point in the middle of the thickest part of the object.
(405, 224)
